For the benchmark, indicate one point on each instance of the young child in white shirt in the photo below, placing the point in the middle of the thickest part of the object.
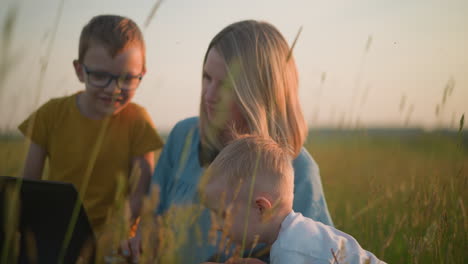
(249, 189)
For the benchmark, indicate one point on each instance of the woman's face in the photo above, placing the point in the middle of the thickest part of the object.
(218, 94)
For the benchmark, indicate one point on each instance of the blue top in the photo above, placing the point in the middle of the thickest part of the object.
(178, 172)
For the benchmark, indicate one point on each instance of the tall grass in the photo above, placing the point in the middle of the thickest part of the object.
(82, 192)
(403, 198)
(11, 237)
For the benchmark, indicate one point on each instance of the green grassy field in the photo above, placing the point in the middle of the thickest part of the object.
(401, 196)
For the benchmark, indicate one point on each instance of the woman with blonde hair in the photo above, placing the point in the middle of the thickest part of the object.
(249, 86)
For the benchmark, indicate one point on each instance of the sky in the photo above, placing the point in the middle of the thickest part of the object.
(362, 63)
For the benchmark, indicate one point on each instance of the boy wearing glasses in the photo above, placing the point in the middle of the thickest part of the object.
(97, 136)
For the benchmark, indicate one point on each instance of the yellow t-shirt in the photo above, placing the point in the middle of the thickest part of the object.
(69, 139)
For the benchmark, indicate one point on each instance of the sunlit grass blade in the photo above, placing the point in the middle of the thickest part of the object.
(249, 202)
(293, 44)
(82, 191)
(152, 13)
(7, 61)
(462, 123)
(11, 222)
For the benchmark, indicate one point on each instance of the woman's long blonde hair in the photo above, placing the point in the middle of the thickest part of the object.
(263, 76)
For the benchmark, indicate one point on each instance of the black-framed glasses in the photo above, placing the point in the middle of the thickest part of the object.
(102, 79)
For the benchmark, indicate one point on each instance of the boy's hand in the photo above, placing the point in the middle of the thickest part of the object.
(131, 248)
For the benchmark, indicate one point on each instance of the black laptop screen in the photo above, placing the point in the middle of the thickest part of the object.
(45, 210)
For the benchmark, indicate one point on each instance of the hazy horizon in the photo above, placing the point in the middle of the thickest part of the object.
(362, 63)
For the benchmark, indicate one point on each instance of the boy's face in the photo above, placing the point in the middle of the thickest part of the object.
(231, 213)
(98, 65)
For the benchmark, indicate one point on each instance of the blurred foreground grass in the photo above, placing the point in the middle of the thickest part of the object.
(402, 196)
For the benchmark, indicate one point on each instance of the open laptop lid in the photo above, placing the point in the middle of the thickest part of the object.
(45, 212)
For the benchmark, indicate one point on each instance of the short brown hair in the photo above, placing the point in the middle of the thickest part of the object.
(250, 157)
(117, 33)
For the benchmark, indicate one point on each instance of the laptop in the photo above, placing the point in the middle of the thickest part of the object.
(45, 210)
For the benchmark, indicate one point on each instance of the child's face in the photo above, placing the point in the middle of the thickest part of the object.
(231, 213)
(98, 66)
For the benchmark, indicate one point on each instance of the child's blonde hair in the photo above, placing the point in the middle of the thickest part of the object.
(116, 33)
(251, 157)
(264, 79)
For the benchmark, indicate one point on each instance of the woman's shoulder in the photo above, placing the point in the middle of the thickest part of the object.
(304, 160)
(182, 130)
(182, 140)
(187, 124)
(183, 127)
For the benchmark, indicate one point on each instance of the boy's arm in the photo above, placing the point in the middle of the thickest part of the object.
(34, 164)
(145, 164)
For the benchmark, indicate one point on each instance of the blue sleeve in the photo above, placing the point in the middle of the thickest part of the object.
(169, 161)
(308, 191)
(163, 169)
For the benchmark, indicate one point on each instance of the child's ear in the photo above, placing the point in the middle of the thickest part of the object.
(78, 70)
(262, 204)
